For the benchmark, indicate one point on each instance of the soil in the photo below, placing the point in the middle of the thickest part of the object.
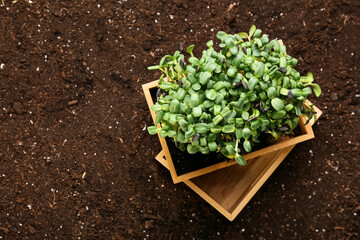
(78, 163)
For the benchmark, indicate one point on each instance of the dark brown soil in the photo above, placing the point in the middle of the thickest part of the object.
(77, 163)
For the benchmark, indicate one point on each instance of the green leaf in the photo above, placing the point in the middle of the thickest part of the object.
(243, 35)
(252, 30)
(230, 149)
(229, 42)
(208, 104)
(220, 35)
(183, 124)
(201, 128)
(225, 112)
(190, 49)
(210, 43)
(216, 129)
(258, 42)
(197, 111)
(252, 83)
(217, 109)
(192, 149)
(204, 150)
(153, 67)
(289, 107)
(163, 59)
(246, 133)
(233, 50)
(257, 33)
(211, 66)
(219, 85)
(204, 77)
(217, 119)
(310, 77)
(194, 101)
(306, 91)
(278, 115)
(181, 137)
(171, 133)
(159, 116)
(231, 72)
(163, 133)
(228, 129)
(210, 94)
(212, 137)
(178, 68)
(296, 92)
(317, 89)
(196, 86)
(284, 91)
(247, 146)
(212, 146)
(239, 133)
(176, 54)
(271, 92)
(180, 94)
(245, 115)
(297, 110)
(240, 160)
(277, 104)
(174, 106)
(195, 61)
(153, 130)
(156, 107)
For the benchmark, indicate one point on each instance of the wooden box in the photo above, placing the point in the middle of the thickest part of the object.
(307, 133)
(229, 189)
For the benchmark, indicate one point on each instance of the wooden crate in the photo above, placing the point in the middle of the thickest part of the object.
(307, 133)
(229, 189)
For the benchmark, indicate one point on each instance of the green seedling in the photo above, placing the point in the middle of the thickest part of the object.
(224, 100)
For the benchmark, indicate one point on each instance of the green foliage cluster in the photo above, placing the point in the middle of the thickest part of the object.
(225, 100)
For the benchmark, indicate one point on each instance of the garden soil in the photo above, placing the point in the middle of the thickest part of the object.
(76, 161)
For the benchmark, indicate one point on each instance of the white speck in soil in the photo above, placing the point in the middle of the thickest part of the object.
(2, 66)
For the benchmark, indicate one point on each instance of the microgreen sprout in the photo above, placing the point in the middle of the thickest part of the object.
(224, 100)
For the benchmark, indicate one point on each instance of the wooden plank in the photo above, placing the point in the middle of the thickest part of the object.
(146, 88)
